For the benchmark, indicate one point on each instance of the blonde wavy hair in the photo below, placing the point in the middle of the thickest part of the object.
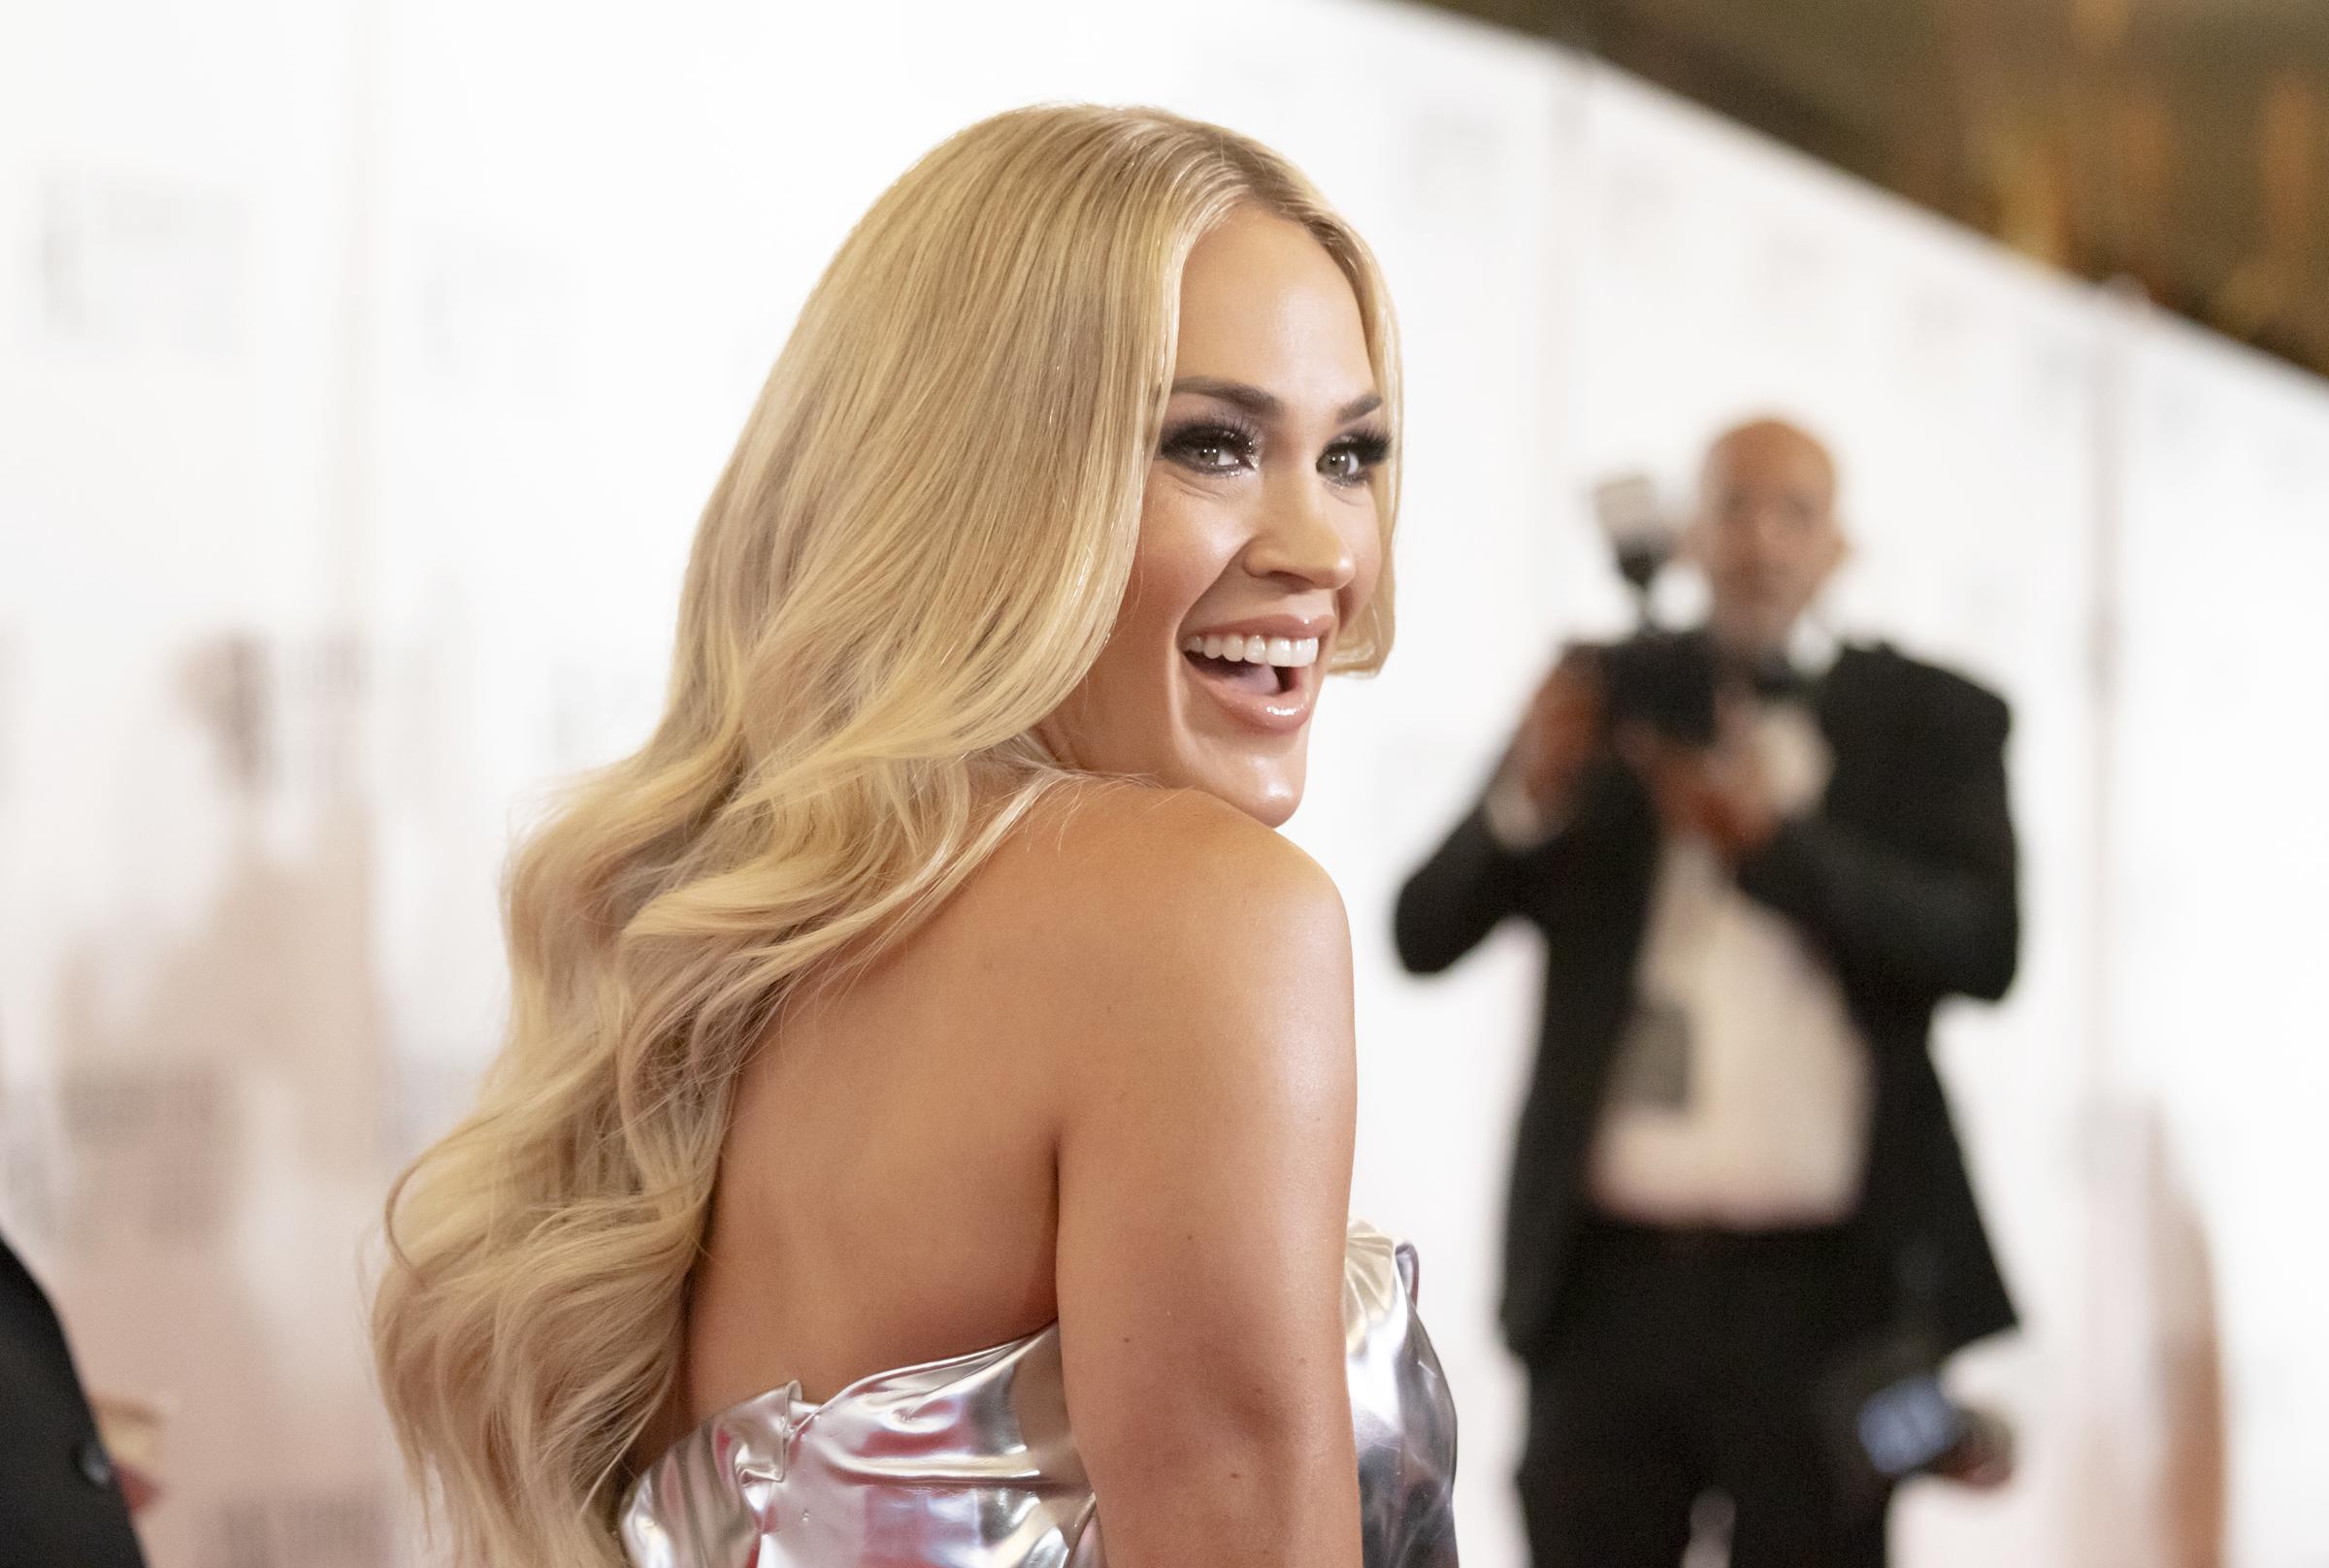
(914, 556)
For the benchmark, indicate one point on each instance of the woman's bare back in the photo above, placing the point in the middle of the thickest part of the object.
(887, 1194)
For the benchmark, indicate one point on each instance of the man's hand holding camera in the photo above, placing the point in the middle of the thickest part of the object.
(1719, 793)
(1560, 735)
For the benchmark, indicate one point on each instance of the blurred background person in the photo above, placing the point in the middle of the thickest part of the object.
(61, 1499)
(1739, 1215)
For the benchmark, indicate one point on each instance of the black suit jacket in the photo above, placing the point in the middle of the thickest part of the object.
(60, 1506)
(1905, 877)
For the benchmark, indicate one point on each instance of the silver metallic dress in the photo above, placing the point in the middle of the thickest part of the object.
(969, 1463)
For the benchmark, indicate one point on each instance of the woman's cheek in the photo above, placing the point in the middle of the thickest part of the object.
(1183, 554)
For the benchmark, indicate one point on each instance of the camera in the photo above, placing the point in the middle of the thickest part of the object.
(1664, 680)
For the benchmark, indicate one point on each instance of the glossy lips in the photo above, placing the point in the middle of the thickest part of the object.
(1264, 674)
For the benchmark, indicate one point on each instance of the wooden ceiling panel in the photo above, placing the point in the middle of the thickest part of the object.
(2182, 142)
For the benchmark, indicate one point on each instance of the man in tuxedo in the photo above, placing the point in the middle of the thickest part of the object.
(1757, 859)
(60, 1499)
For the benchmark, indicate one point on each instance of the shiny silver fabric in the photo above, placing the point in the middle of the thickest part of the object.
(969, 1463)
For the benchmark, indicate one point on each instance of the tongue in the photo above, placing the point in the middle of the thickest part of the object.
(1238, 672)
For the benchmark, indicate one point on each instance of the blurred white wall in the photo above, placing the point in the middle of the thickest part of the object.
(2217, 932)
(362, 368)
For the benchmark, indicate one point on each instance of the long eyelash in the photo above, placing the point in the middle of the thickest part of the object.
(1369, 447)
(1213, 430)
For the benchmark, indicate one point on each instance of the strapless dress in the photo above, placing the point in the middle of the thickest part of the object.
(969, 1463)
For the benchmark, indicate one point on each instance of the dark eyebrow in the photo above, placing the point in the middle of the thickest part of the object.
(1265, 405)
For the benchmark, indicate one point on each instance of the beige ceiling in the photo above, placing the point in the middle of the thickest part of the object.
(2184, 143)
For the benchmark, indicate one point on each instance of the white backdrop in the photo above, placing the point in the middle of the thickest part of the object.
(363, 368)
(2216, 936)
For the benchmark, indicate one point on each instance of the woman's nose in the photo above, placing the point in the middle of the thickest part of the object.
(1300, 540)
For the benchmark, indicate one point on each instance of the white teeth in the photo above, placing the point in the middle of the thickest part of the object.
(1291, 653)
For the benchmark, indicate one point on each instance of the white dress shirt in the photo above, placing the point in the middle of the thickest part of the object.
(1739, 1097)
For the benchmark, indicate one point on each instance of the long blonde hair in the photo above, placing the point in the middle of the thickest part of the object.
(912, 557)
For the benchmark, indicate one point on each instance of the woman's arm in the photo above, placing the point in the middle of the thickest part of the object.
(1207, 1117)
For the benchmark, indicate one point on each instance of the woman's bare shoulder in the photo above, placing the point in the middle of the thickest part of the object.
(1098, 865)
(1120, 909)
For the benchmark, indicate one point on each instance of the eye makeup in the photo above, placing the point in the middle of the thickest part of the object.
(1223, 443)
(1362, 449)
(1212, 443)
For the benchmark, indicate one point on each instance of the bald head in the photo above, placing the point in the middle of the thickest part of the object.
(1767, 449)
(1766, 534)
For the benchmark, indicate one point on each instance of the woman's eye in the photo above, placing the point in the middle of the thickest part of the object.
(1211, 450)
(1349, 462)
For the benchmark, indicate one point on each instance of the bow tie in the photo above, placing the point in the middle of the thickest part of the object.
(1775, 680)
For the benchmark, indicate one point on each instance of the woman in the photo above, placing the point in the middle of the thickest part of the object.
(931, 992)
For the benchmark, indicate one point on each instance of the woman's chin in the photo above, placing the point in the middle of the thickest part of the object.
(1268, 800)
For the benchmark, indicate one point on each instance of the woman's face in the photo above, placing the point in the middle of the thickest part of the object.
(1259, 533)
